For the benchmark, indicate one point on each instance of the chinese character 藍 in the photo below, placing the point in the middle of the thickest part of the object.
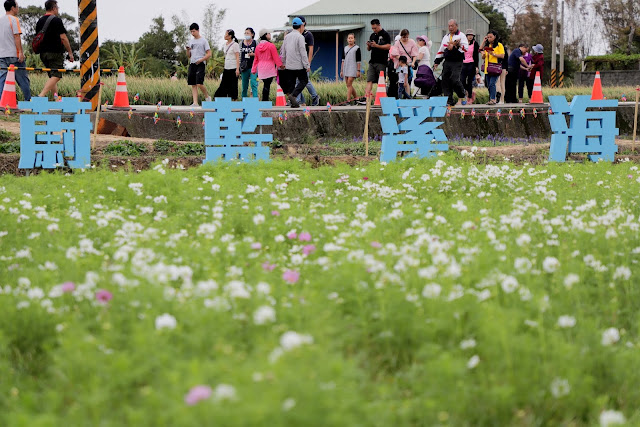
(231, 127)
(414, 134)
(587, 132)
(46, 141)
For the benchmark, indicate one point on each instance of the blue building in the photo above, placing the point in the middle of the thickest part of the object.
(331, 21)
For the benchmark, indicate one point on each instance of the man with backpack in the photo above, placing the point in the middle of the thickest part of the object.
(50, 42)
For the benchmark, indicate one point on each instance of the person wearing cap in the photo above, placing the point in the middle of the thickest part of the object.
(424, 51)
(266, 62)
(470, 64)
(308, 44)
(537, 65)
(452, 52)
(294, 77)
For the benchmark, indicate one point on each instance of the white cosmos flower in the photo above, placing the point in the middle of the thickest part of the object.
(264, 314)
(473, 361)
(224, 392)
(566, 321)
(571, 280)
(258, 219)
(470, 343)
(610, 418)
(523, 240)
(623, 273)
(509, 284)
(560, 387)
(288, 404)
(550, 264)
(432, 290)
(291, 339)
(610, 336)
(166, 321)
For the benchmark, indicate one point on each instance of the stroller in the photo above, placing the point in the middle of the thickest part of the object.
(425, 81)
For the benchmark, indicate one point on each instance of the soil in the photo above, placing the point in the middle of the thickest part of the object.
(316, 154)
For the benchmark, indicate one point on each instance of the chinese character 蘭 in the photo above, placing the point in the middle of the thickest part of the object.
(46, 140)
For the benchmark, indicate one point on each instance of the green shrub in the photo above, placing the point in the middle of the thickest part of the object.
(126, 149)
(162, 146)
(190, 149)
(10, 147)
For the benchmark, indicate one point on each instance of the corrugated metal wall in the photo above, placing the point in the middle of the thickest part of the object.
(434, 26)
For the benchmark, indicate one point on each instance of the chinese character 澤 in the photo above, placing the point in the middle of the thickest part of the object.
(231, 127)
(414, 134)
(587, 132)
(46, 141)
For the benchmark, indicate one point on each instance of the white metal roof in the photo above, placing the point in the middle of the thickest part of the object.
(325, 28)
(370, 7)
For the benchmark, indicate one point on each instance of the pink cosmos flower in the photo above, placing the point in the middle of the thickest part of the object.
(103, 296)
(268, 267)
(305, 237)
(309, 249)
(630, 176)
(365, 178)
(68, 287)
(376, 245)
(256, 246)
(275, 213)
(197, 393)
(292, 235)
(291, 276)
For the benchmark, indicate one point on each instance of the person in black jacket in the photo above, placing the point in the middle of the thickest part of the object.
(471, 64)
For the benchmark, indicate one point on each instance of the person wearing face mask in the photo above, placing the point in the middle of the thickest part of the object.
(247, 55)
(266, 62)
(229, 83)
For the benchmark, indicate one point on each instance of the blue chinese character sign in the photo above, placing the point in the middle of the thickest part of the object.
(587, 132)
(46, 140)
(414, 134)
(232, 126)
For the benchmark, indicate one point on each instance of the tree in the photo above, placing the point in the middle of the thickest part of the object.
(621, 20)
(212, 23)
(159, 47)
(497, 19)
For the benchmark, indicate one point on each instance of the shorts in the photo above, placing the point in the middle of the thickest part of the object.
(196, 74)
(373, 73)
(55, 61)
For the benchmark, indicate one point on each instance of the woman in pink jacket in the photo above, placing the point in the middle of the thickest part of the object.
(266, 62)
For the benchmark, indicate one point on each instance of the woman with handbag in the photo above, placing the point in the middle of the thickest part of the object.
(247, 55)
(492, 53)
(351, 63)
(404, 46)
(229, 83)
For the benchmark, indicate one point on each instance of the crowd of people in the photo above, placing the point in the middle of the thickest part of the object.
(464, 61)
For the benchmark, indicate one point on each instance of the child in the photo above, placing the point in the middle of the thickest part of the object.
(403, 78)
(198, 52)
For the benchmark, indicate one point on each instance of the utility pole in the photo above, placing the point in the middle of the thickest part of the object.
(561, 73)
(554, 31)
(89, 51)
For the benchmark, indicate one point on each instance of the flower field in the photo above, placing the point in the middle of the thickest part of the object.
(431, 292)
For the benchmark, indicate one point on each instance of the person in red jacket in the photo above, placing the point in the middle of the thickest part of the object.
(538, 65)
(266, 62)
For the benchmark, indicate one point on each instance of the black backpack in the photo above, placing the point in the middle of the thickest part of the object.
(39, 38)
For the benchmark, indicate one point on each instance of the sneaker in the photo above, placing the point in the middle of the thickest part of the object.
(359, 102)
(208, 99)
(294, 102)
(316, 101)
(194, 105)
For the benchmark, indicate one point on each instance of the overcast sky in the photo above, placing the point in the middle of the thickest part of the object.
(126, 20)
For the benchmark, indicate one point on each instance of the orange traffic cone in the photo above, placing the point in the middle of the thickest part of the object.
(121, 99)
(536, 97)
(9, 99)
(596, 92)
(381, 92)
(281, 101)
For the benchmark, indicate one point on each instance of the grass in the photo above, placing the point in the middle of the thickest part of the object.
(432, 292)
(152, 90)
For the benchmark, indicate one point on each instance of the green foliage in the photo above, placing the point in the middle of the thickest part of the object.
(10, 147)
(437, 292)
(159, 47)
(182, 150)
(126, 149)
(116, 54)
(162, 146)
(615, 61)
(497, 20)
(6, 136)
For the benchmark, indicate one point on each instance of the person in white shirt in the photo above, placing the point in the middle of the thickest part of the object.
(11, 52)
(198, 51)
(229, 84)
(424, 50)
(452, 51)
